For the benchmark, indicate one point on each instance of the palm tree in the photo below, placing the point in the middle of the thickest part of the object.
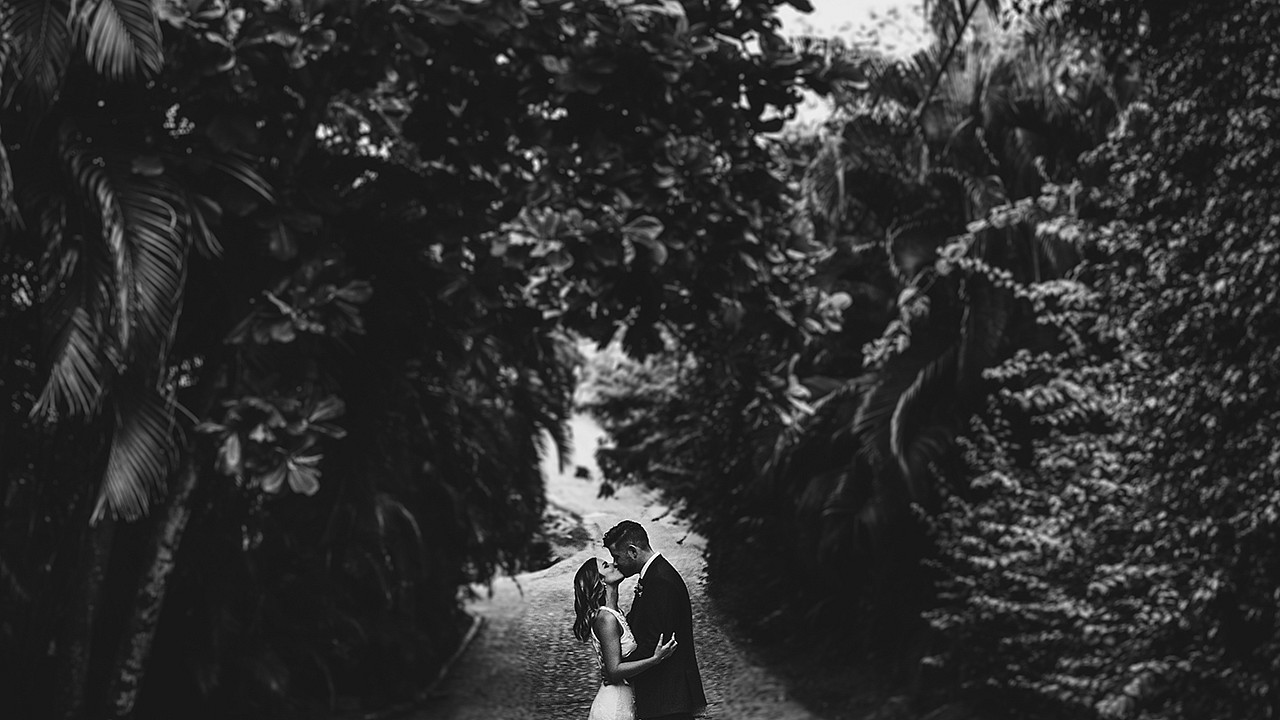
(106, 210)
(110, 213)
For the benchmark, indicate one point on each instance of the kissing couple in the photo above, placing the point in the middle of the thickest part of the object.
(647, 663)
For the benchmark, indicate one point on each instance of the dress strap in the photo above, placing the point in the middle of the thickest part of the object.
(621, 618)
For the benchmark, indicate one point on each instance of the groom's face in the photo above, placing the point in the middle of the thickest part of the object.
(626, 558)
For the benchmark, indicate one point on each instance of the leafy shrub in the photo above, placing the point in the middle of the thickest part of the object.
(1129, 568)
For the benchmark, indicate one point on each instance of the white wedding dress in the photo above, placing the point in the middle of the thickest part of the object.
(614, 702)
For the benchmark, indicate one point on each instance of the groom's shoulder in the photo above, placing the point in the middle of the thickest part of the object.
(664, 567)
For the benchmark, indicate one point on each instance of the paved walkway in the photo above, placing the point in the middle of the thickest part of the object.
(525, 662)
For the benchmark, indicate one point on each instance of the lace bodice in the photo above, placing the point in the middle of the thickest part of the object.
(628, 640)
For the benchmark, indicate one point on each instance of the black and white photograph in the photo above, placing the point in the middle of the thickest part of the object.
(639, 359)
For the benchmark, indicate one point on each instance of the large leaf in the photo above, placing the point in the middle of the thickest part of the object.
(985, 322)
(157, 244)
(43, 39)
(76, 375)
(145, 226)
(8, 207)
(920, 429)
(950, 18)
(203, 210)
(824, 512)
(241, 169)
(304, 473)
(122, 37)
(824, 184)
(400, 537)
(143, 452)
(74, 298)
(880, 423)
(95, 183)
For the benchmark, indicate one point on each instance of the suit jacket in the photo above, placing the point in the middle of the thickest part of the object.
(662, 607)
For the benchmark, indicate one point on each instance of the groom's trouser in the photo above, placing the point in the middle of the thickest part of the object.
(673, 716)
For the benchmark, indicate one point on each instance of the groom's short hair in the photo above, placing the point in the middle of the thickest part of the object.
(627, 532)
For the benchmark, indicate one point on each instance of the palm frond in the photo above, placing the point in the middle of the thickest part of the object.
(143, 452)
(157, 243)
(389, 511)
(904, 82)
(9, 213)
(873, 423)
(93, 180)
(1059, 255)
(950, 18)
(912, 246)
(73, 298)
(116, 300)
(76, 376)
(982, 192)
(870, 68)
(822, 509)
(6, 57)
(240, 169)
(823, 182)
(844, 511)
(917, 432)
(206, 242)
(983, 327)
(952, 41)
(122, 37)
(819, 444)
(399, 534)
(43, 38)
(204, 211)
(561, 438)
(1023, 149)
(145, 225)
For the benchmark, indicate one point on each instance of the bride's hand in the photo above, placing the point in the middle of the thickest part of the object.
(665, 648)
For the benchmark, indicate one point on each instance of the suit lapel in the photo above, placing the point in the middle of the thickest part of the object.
(637, 600)
(638, 604)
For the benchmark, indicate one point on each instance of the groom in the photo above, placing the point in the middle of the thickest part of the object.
(671, 690)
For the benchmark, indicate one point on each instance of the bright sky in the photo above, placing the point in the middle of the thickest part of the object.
(895, 25)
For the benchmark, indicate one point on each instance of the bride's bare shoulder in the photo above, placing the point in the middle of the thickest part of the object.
(605, 620)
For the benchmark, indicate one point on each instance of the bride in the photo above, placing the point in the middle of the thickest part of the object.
(595, 604)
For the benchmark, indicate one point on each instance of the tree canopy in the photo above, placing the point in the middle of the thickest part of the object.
(300, 277)
(294, 291)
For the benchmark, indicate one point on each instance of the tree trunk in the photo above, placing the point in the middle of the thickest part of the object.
(76, 634)
(135, 645)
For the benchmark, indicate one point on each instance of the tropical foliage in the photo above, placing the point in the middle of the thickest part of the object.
(924, 190)
(297, 280)
(974, 378)
(1129, 566)
(1040, 408)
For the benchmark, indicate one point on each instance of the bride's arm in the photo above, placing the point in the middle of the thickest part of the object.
(609, 630)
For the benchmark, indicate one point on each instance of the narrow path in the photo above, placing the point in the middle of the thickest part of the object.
(525, 662)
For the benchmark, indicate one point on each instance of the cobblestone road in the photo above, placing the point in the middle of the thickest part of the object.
(525, 663)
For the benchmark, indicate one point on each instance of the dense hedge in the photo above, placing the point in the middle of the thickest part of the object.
(1130, 569)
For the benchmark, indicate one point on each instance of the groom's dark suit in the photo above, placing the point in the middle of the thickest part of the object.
(674, 686)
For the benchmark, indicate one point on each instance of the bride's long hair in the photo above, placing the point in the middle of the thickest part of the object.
(588, 597)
